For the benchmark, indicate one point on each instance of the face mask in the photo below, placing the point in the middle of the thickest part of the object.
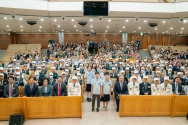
(78, 71)
(169, 72)
(39, 70)
(78, 77)
(18, 77)
(50, 77)
(37, 77)
(142, 70)
(10, 68)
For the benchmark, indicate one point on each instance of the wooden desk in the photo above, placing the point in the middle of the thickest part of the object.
(146, 105)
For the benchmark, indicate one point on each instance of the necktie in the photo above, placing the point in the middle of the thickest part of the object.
(121, 85)
(59, 89)
(176, 88)
(10, 90)
(145, 86)
(165, 86)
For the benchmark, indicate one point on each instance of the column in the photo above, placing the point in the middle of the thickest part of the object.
(124, 37)
(61, 37)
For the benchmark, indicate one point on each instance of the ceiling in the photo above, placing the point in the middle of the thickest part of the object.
(168, 23)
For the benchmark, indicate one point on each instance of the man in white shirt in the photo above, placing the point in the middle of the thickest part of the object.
(138, 78)
(156, 88)
(133, 87)
(74, 88)
(166, 87)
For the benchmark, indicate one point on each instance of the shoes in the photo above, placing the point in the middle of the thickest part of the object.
(104, 108)
(117, 110)
(88, 99)
(92, 109)
(97, 109)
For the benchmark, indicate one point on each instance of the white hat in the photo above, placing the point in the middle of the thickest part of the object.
(17, 73)
(142, 68)
(78, 74)
(50, 73)
(136, 71)
(115, 65)
(169, 69)
(63, 73)
(78, 69)
(66, 64)
(54, 61)
(14, 59)
(113, 68)
(157, 67)
(122, 71)
(39, 67)
(158, 72)
(76, 63)
(170, 65)
(17, 67)
(186, 72)
(43, 61)
(81, 64)
(43, 65)
(53, 67)
(66, 70)
(156, 79)
(9, 65)
(166, 62)
(133, 77)
(145, 77)
(137, 65)
(127, 68)
(28, 58)
(36, 73)
(131, 61)
(33, 62)
(127, 59)
(1, 74)
(181, 67)
(116, 58)
(74, 77)
(120, 63)
(179, 73)
(148, 65)
(161, 65)
(166, 78)
(1, 68)
(145, 60)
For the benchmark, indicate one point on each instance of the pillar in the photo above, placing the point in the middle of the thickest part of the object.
(61, 37)
(124, 38)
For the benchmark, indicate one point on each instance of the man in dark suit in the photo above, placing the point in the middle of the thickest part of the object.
(31, 89)
(145, 87)
(2, 80)
(11, 89)
(2, 71)
(59, 89)
(177, 67)
(1, 91)
(113, 74)
(138, 43)
(152, 48)
(120, 87)
(177, 87)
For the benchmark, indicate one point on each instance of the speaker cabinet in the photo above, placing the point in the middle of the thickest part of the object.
(16, 119)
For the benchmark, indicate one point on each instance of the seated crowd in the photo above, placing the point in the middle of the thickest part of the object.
(94, 72)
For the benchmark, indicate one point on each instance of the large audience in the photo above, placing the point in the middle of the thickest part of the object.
(165, 74)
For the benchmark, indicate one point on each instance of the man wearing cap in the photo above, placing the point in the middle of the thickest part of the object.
(33, 67)
(166, 87)
(128, 72)
(145, 87)
(59, 89)
(1, 90)
(65, 79)
(78, 71)
(10, 70)
(25, 70)
(11, 89)
(67, 68)
(116, 68)
(113, 74)
(121, 67)
(169, 74)
(133, 87)
(182, 79)
(177, 86)
(44, 69)
(19, 80)
(74, 88)
(158, 75)
(14, 64)
(51, 80)
(3, 81)
(177, 67)
(55, 75)
(138, 78)
(4, 73)
(120, 87)
(156, 88)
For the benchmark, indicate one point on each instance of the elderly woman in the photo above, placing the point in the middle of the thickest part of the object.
(46, 89)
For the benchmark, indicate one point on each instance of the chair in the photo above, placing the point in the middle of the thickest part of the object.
(150, 81)
(112, 87)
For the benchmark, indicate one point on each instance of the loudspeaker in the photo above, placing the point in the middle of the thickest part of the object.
(187, 116)
(16, 119)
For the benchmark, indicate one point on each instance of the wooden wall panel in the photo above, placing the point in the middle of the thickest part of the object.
(166, 40)
(145, 42)
(5, 40)
(179, 40)
(160, 40)
(151, 40)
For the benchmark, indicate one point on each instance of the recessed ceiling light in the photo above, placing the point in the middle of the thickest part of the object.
(76, 30)
(91, 20)
(148, 31)
(164, 21)
(53, 31)
(107, 26)
(55, 20)
(41, 19)
(5, 18)
(106, 31)
(123, 27)
(44, 31)
(171, 28)
(127, 20)
(8, 29)
(120, 31)
(169, 33)
(21, 26)
(40, 26)
(21, 30)
(109, 20)
(74, 25)
(145, 21)
(91, 26)
(14, 31)
(163, 32)
(72, 19)
(7, 25)
(182, 28)
(134, 31)
(181, 32)
(155, 28)
(185, 21)
(62, 30)
(27, 31)
(20, 18)
(166, 31)
(58, 26)
(139, 27)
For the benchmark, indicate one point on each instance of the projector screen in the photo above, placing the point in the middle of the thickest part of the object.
(95, 8)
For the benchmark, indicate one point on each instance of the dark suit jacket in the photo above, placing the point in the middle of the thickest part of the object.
(180, 90)
(1, 91)
(125, 79)
(118, 90)
(113, 75)
(144, 90)
(49, 91)
(63, 91)
(4, 82)
(31, 93)
(15, 91)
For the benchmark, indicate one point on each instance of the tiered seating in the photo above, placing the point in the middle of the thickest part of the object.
(23, 48)
(178, 48)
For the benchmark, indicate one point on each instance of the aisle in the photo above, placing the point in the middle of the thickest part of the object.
(144, 53)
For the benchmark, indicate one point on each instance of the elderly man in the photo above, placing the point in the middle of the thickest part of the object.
(158, 75)
(156, 88)
(19, 80)
(55, 75)
(4, 73)
(59, 89)
(177, 87)
(120, 87)
(133, 87)
(166, 87)
(74, 88)
(123, 74)
(113, 74)
(145, 87)
(138, 78)
(3, 81)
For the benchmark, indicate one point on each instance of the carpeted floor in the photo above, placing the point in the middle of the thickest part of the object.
(144, 53)
(2, 53)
